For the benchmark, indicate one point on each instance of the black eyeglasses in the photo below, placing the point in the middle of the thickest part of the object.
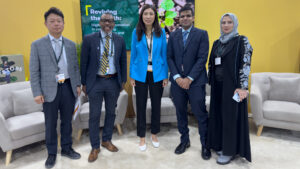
(107, 20)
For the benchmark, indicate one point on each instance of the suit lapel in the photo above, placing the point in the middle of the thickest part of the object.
(115, 41)
(98, 48)
(50, 50)
(189, 38)
(154, 45)
(67, 49)
(179, 39)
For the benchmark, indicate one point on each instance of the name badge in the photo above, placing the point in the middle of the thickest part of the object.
(149, 68)
(217, 61)
(60, 78)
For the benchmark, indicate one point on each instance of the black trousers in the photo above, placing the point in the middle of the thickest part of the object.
(64, 102)
(196, 96)
(156, 91)
(106, 89)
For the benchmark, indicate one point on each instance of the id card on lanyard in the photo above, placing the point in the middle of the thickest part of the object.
(60, 77)
(149, 47)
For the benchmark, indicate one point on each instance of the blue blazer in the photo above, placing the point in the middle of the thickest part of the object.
(189, 60)
(139, 58)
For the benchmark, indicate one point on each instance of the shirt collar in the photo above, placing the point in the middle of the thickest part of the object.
(51, 38)
(103, 34)
(183, 30)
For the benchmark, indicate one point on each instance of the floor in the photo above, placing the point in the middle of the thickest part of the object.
(274, 149)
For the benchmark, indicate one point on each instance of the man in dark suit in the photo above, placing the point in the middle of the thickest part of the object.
(103, 75)
(55, 82)
(187, 55)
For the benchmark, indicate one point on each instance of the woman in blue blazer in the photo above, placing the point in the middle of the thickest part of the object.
(148, 69)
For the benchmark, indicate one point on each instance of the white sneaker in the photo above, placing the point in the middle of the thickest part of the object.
(143, 147)
(154, 143)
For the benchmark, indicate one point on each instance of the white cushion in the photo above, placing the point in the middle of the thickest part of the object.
(281, 111)
(26, 125)
(23, 102)
(285, 89)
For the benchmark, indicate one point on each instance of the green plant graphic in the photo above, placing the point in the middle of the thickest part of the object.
(165, 15)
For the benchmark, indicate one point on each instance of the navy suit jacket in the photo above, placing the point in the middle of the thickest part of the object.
(191, 59)
(90, 59)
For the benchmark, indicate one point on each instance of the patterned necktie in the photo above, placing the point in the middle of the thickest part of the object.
(185, 34)
(57, 47)
(104, 61)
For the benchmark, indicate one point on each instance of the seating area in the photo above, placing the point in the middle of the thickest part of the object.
(21, 119)
(275, 100)
(168, 110)
(82, 120)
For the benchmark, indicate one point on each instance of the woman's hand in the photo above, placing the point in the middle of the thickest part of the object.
(165, 82)
(242, 93)
(132, 82)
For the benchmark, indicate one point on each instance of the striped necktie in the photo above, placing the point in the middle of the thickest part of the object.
(104, 61)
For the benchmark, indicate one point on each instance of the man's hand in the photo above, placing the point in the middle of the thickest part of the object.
(84, 89)
(39, 99)
(165, 82)
(179, 81)
(186, 83)
(132, 82)
(78, 91)
(242, 93)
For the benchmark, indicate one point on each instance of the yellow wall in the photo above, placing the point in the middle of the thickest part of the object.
(273, 27)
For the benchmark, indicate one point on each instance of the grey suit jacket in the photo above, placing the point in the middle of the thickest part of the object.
(43, 68)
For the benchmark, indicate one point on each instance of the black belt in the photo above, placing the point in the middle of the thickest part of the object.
(108, 75)
(149, 63)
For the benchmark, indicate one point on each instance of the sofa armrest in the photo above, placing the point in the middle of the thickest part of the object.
(256, 102)
(4, 134)
(121, 107)
(83, 98)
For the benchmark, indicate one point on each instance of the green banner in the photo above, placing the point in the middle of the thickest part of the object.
(125, 13)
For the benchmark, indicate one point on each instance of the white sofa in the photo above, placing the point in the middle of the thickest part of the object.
(82, 120)
(275, 100)
(168, 110)
(21, 119)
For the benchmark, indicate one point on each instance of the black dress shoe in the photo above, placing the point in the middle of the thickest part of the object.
(70, 154)
(205, 153)
(50, 162)
(182, 147)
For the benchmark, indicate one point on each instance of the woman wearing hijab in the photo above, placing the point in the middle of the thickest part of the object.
(148, 69)
(229, 68)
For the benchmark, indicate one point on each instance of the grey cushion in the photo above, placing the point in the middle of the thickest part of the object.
(284, 89)
(281, 111)
(26, 125)
(84, 114)
(23, 102)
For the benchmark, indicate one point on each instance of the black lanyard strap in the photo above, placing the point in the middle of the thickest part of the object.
(150, 48)
(61, 51)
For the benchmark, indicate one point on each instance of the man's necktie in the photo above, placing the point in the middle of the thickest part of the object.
(185, 34)
(104, 61)
(57, 47)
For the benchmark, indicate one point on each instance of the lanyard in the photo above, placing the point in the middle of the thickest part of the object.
(111, 48)
(61, 51)
(150, 48)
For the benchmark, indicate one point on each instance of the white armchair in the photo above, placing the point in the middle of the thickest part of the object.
(275, 100)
